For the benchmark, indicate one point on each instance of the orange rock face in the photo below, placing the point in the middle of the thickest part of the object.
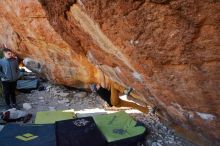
(168, 51)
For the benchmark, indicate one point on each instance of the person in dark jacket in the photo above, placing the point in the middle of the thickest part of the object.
(9, 73)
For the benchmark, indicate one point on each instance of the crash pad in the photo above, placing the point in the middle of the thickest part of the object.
(79, 132)
(27, 84)
(1, 127)
(49, 117)
(118, 126)
(28, 135)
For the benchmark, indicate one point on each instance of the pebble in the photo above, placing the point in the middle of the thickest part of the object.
(51, 108)
(80, 94)
(67, 104)
(48, 88)
(40, 98)
(63, 94)
(154, 144)
(63, 101)
(27, 106)
(160, 141)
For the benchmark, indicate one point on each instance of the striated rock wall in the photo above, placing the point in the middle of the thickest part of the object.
(167, 50)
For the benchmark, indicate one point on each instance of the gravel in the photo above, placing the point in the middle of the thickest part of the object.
(60, 98)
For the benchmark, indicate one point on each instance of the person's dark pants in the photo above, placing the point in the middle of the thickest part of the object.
(9, 91)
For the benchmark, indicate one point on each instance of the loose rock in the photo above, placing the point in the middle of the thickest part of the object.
(27, 106)
(80, 94)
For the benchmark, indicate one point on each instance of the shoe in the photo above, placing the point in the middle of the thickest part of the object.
(27, 118)
(6, 116)
(128, 91)
(153, 110)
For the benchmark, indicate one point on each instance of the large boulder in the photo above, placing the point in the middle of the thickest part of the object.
(167, 50)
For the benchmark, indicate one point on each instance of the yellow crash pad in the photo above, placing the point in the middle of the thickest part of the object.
(50, 117)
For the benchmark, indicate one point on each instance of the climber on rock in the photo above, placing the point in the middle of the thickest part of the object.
(112, 97)
(9, 73)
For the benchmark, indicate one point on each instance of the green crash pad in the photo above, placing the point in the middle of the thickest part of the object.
(118, 126)
(50, 117)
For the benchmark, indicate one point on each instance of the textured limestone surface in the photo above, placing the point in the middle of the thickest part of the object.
(167, 50)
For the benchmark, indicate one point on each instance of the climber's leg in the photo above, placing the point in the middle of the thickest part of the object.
(114, 95)
(133, 105)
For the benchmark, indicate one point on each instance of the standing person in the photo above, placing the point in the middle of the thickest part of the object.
(9, 73)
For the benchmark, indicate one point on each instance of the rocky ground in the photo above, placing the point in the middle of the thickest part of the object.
(85, 103)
